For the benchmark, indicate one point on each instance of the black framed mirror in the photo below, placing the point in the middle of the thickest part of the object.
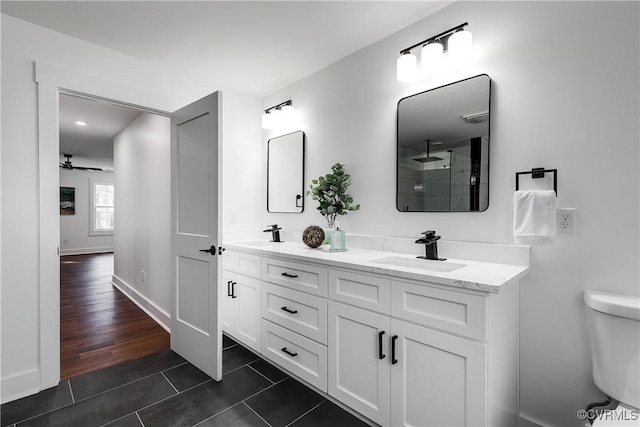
(442, 158)
(285, 173)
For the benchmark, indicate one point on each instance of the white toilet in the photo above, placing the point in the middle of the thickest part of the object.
(613, 325)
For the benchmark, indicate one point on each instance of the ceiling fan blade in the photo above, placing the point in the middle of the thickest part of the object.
(86, 168)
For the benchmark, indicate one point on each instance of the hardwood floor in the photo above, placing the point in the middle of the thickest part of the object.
(100, 326)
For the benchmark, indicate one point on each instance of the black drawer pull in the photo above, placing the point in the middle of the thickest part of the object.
(229, 293)
(393, 350)
(233, 290)
(380, 354)
(284, 350)
(292, 276)
(288, 311)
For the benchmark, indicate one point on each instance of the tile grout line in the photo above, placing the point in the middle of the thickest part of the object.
(309, 411)
(217, 413)
(73, 399)
(125, 384)
(259, 416)
(170, 383)
(259, 373)
(140, 419)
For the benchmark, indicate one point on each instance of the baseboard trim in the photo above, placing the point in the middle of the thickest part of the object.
(21, 385)
(161, 317)
(528, 422)
(84, 251)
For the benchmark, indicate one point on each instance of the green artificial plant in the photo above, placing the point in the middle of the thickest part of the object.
(331, 193)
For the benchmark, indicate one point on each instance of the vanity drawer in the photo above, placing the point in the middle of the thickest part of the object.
(362, 290)
(295, 275)
(247, 264)
(301, 356)
(450, 311)
(298, 311)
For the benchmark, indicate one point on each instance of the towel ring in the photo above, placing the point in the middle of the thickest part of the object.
(539, 173)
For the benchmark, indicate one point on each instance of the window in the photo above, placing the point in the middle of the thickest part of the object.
(102, 209)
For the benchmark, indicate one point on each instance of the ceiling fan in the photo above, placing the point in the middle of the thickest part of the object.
(67, 164)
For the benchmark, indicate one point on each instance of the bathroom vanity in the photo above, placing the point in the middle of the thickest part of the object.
(401, 341)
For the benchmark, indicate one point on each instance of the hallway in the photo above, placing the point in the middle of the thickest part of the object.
(100, 326)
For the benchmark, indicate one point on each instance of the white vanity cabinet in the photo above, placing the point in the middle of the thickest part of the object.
(240, 298)
(399, 350)
(294, 312)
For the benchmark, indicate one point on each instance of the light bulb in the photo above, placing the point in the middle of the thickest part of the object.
(460, 44)
(288, 111)
(267, 121)
(431, 57)
(407, 67)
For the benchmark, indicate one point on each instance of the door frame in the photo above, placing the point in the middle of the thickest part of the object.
(51, 81)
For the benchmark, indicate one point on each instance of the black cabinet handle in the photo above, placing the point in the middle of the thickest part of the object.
(288, 311)
(233, 290)
(393, 350)
(229, 292)
(380, 354)
(284, 350)
(292, 276)
(211, 250)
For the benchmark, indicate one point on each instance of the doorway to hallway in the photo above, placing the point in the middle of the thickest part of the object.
(99, 325)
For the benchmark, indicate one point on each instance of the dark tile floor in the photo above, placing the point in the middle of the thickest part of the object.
(165, 390)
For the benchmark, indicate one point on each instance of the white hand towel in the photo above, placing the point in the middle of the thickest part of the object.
(534, 217)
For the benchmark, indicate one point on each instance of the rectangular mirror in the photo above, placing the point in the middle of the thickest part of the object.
(285, 173)
(443, 148)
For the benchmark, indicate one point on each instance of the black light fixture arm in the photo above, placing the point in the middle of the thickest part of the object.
(276, 107)
(437, 37)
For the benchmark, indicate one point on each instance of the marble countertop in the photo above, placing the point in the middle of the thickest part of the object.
(476, 275)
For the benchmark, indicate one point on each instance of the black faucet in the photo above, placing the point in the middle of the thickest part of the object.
(275, 233)
(431, 246)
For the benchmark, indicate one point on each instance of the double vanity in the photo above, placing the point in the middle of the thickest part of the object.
(400, 340)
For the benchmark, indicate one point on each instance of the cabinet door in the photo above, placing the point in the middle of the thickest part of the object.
(358, 376)
(227, 317)
(248, 321)
(438, 380)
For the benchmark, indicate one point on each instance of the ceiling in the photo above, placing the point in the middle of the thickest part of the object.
(95, 140)
(254, 47)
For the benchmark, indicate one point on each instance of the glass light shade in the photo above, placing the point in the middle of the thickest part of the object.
(267, 121)
(407, 67)
(460, 44)
(431, 57)
(288, 111)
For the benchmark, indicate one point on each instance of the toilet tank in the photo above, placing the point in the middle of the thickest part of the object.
(613, 325)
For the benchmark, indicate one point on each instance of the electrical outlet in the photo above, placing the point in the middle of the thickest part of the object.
(566, 220)
(233, 217)
(66, 241)
(144, 276)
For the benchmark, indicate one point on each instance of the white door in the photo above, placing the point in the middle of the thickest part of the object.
(359, 360)
(437, 379)
(195, 226)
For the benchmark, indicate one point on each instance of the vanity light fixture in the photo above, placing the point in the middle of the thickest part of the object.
(456, 42)
(278, 114)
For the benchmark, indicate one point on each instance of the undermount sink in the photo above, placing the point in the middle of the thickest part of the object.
(422, 264)
(258, 243)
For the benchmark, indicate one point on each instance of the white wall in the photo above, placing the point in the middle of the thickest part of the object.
(565, 95)
(74, 229)
(142, 163)
(22, 44)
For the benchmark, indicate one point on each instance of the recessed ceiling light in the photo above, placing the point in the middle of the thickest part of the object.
(80, 123)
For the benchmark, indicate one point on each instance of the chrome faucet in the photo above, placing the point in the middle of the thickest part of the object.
(431, 246)
(275, 233)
